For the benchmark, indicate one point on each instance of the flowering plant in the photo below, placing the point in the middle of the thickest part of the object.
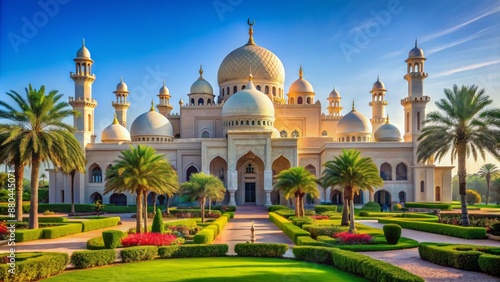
(155, 239)
(351, 238)
(3, 230)
(320, 217)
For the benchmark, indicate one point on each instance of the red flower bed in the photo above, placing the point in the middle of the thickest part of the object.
(3, 228)
(155, 239)
(320, 217)
(351, 238)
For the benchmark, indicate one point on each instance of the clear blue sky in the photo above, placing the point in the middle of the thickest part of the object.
(345, 44)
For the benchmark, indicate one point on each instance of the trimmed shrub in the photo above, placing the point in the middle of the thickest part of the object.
(25, 235)
(397, 207)
(158, 225)
(440, 206)
(458, 256)
(392, 233)
(333, 215)
(277, 219)
(103, 222)
(34, 266)
(313, 254)
(438, 228)
(419, 215)
(472, 197)
(62, 230)
(189, 223)
(308, 241)
(285, 213)
(299, 221)
(57, 219)
(489, 264)
(293, 231)
(205, 236)
(371, 206)
(189, 251)
(323, 231)
(88, 259)
(260, 250)
(363, 213)
(274, 208)
(112, 238)
(138, 253)
(96, 243)
(325, 208)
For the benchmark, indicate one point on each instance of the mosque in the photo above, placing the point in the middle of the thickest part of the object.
(253, 129)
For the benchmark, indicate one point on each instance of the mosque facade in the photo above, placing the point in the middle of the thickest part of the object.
(252, 129)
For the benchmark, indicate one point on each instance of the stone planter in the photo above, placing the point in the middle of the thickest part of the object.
(493, 237)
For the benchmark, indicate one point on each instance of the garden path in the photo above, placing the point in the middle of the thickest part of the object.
(237, 229)
(409, 259)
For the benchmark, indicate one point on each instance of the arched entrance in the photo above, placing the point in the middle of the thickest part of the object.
(218, 167)
(383, 198)
(280, 164)
(358, 198)
(190, 170)
(118, 199)
(96, 197)
(250, 180)
(336, 197)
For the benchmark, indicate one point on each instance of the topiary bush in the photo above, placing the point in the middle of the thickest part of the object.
(261, 250)
(96, 243)
(158, 225)
(397, 207)
(33, 266)
(88, 259)
(371, 206)
(472, 197)
(489, 264)
(325, 208)
(112, 238)
(102, 222)
(138, 253)
(299, 221)
(392, 233)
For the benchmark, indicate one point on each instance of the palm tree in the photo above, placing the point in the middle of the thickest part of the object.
(297, 182)
(139, 170)
(43, 136)
(43, 176)
(463, 127)
(487, 171)
(354, 173)
(200, 186)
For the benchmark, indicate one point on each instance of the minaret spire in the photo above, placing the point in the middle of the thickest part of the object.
(250, 32)
(152, 106)
(301, 72)
(353, 105)
(201, 72)
(416, 42)
(83, 42)
(115, 120)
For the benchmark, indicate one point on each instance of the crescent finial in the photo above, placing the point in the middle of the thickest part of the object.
(250, 23)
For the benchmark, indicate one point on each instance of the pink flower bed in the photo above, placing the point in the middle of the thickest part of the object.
(320, 217)
(155, 239)
(350, 238)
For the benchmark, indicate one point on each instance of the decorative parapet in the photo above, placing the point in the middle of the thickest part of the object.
(424, 99)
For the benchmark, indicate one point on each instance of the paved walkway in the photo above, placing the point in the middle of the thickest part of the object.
(410, 260)
(237, 229)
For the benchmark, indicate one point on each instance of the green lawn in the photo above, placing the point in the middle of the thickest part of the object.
(211, 270)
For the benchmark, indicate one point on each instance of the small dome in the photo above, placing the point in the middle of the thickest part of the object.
(122, 86)
(354, 122)
(164, 90)
(248, 102)
(115, 132)
(83, 52)
(151, 123)
(301, 85)
(416, 52)
(378, 85)
(201, 85)
(387, 133)
(275, 134)
(334, 94)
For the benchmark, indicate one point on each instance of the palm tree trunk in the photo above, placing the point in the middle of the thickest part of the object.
(462, 184)
(203, 210)
(345, 213)
(35, 169)
(302, 208)
(145, 210)
(352, 227)
(72, 173)
(209, 205)
(487, 188)
(19, 176)
(297, 206)
(138, 213)
(167, 205)
(154, 202)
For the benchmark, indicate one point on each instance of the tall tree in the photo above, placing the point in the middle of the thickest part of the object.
(37, 123)
(463, 127)
(297, 182)
(487, 171)
(139, 170)
(43, 176)
(201, 186)
(354, 173)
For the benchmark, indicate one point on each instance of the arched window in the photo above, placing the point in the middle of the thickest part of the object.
(247, 122)
(258, 87)
(205, 134)
(95, 197)
(422, 186)
(407, 122)
(192, 169)
(96, 174)
(209, 102)
(353, 139)
(253, 122)
(222, 92)
(299, 100)
(283, 133)
(308, 100)
(118, 199)
(249, 169)
(200, 102)
(192, 101)
(235, 89)
(386, 171)
(274, 91)
(243, 87)
(359, 138)
(324, 133)
(227, 91)
(418, 120)
(347, 139)
(401, 172)
(266, 91)
(438, 194)
(295, 134)
(90, 122)
(292, 101)
(402, 197)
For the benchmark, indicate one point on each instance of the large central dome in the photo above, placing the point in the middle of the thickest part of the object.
(263, 64)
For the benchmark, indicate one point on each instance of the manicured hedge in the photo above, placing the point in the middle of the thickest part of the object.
(24, 235)
(308, 241)
(260, 250)
(364, 266)
(440, 206)
(325, 208)
(4, 208)
(439, 228)
(57, 219)
(380, 214)
(88, 259)
(466, 257)
(189, 251)
(316, 230)
(274, 208)
(277, 220)
(96, 243)
(112, 238)
(209, 233)
(94, 224)
(190, 223)
(62, 230)
(287, 227)
(418, 215)
(285, 213)
(195, 212)
(138, 253)
(34, 266)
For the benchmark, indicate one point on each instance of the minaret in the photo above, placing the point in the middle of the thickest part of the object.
(378, 104)
(334, 107)
(164, 106)
(83, 102)
(414, 104)
(121, 105)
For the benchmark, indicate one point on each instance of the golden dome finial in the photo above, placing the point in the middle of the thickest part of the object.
(83, 42)
(152, 106)
(301, 72)
(353, 105)
(115, 120)
(387, 119)
(201, 71)
(250, 32)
